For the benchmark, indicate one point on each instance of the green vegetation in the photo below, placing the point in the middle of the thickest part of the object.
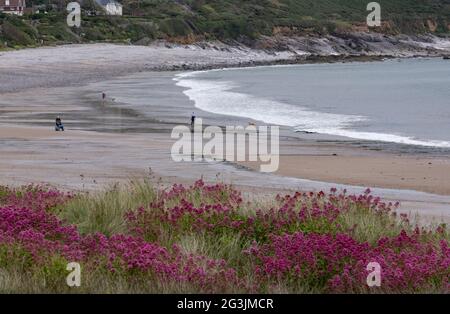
(190, 20)
(140, 237)
(104, 212)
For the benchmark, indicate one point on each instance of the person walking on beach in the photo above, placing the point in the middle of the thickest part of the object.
(192, 120)
(58, 124)
(103, 95)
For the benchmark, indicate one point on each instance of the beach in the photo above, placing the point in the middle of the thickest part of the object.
(116, 139)
(394, 172)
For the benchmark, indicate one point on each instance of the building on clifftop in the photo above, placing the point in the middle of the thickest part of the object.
(12, 6)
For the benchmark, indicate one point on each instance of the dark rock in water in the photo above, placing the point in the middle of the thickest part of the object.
(446, 57)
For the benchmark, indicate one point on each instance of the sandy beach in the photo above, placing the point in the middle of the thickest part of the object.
(386, 171)
(109, 141)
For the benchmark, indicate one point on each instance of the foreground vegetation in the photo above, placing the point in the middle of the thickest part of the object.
(207, 239)
(187, 21)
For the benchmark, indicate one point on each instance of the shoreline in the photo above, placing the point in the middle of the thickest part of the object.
(105, 72)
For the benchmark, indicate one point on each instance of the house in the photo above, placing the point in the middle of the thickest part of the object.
(12, 6)
(111, 7)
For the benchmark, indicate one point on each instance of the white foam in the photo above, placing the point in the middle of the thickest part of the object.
(218, 97)
(383, 137)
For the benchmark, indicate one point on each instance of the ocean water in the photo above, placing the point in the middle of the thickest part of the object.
(399, 101)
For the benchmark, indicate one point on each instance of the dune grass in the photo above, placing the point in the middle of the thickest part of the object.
(104, 212)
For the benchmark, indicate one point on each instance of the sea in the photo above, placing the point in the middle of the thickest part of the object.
(405, 101)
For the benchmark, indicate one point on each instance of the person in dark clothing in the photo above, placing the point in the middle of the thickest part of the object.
(192, 121)
(58, 124)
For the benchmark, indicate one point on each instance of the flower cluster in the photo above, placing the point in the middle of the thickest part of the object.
(202, 193)
(339, 262)
(130, 255)
(41, 234)
(36, 197)
(220, 210)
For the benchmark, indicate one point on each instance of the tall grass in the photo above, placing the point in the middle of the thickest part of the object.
(104, 211)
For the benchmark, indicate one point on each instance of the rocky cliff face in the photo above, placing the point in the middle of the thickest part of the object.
(358, 44)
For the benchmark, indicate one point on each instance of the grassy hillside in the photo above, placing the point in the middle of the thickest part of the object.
(190, 20)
